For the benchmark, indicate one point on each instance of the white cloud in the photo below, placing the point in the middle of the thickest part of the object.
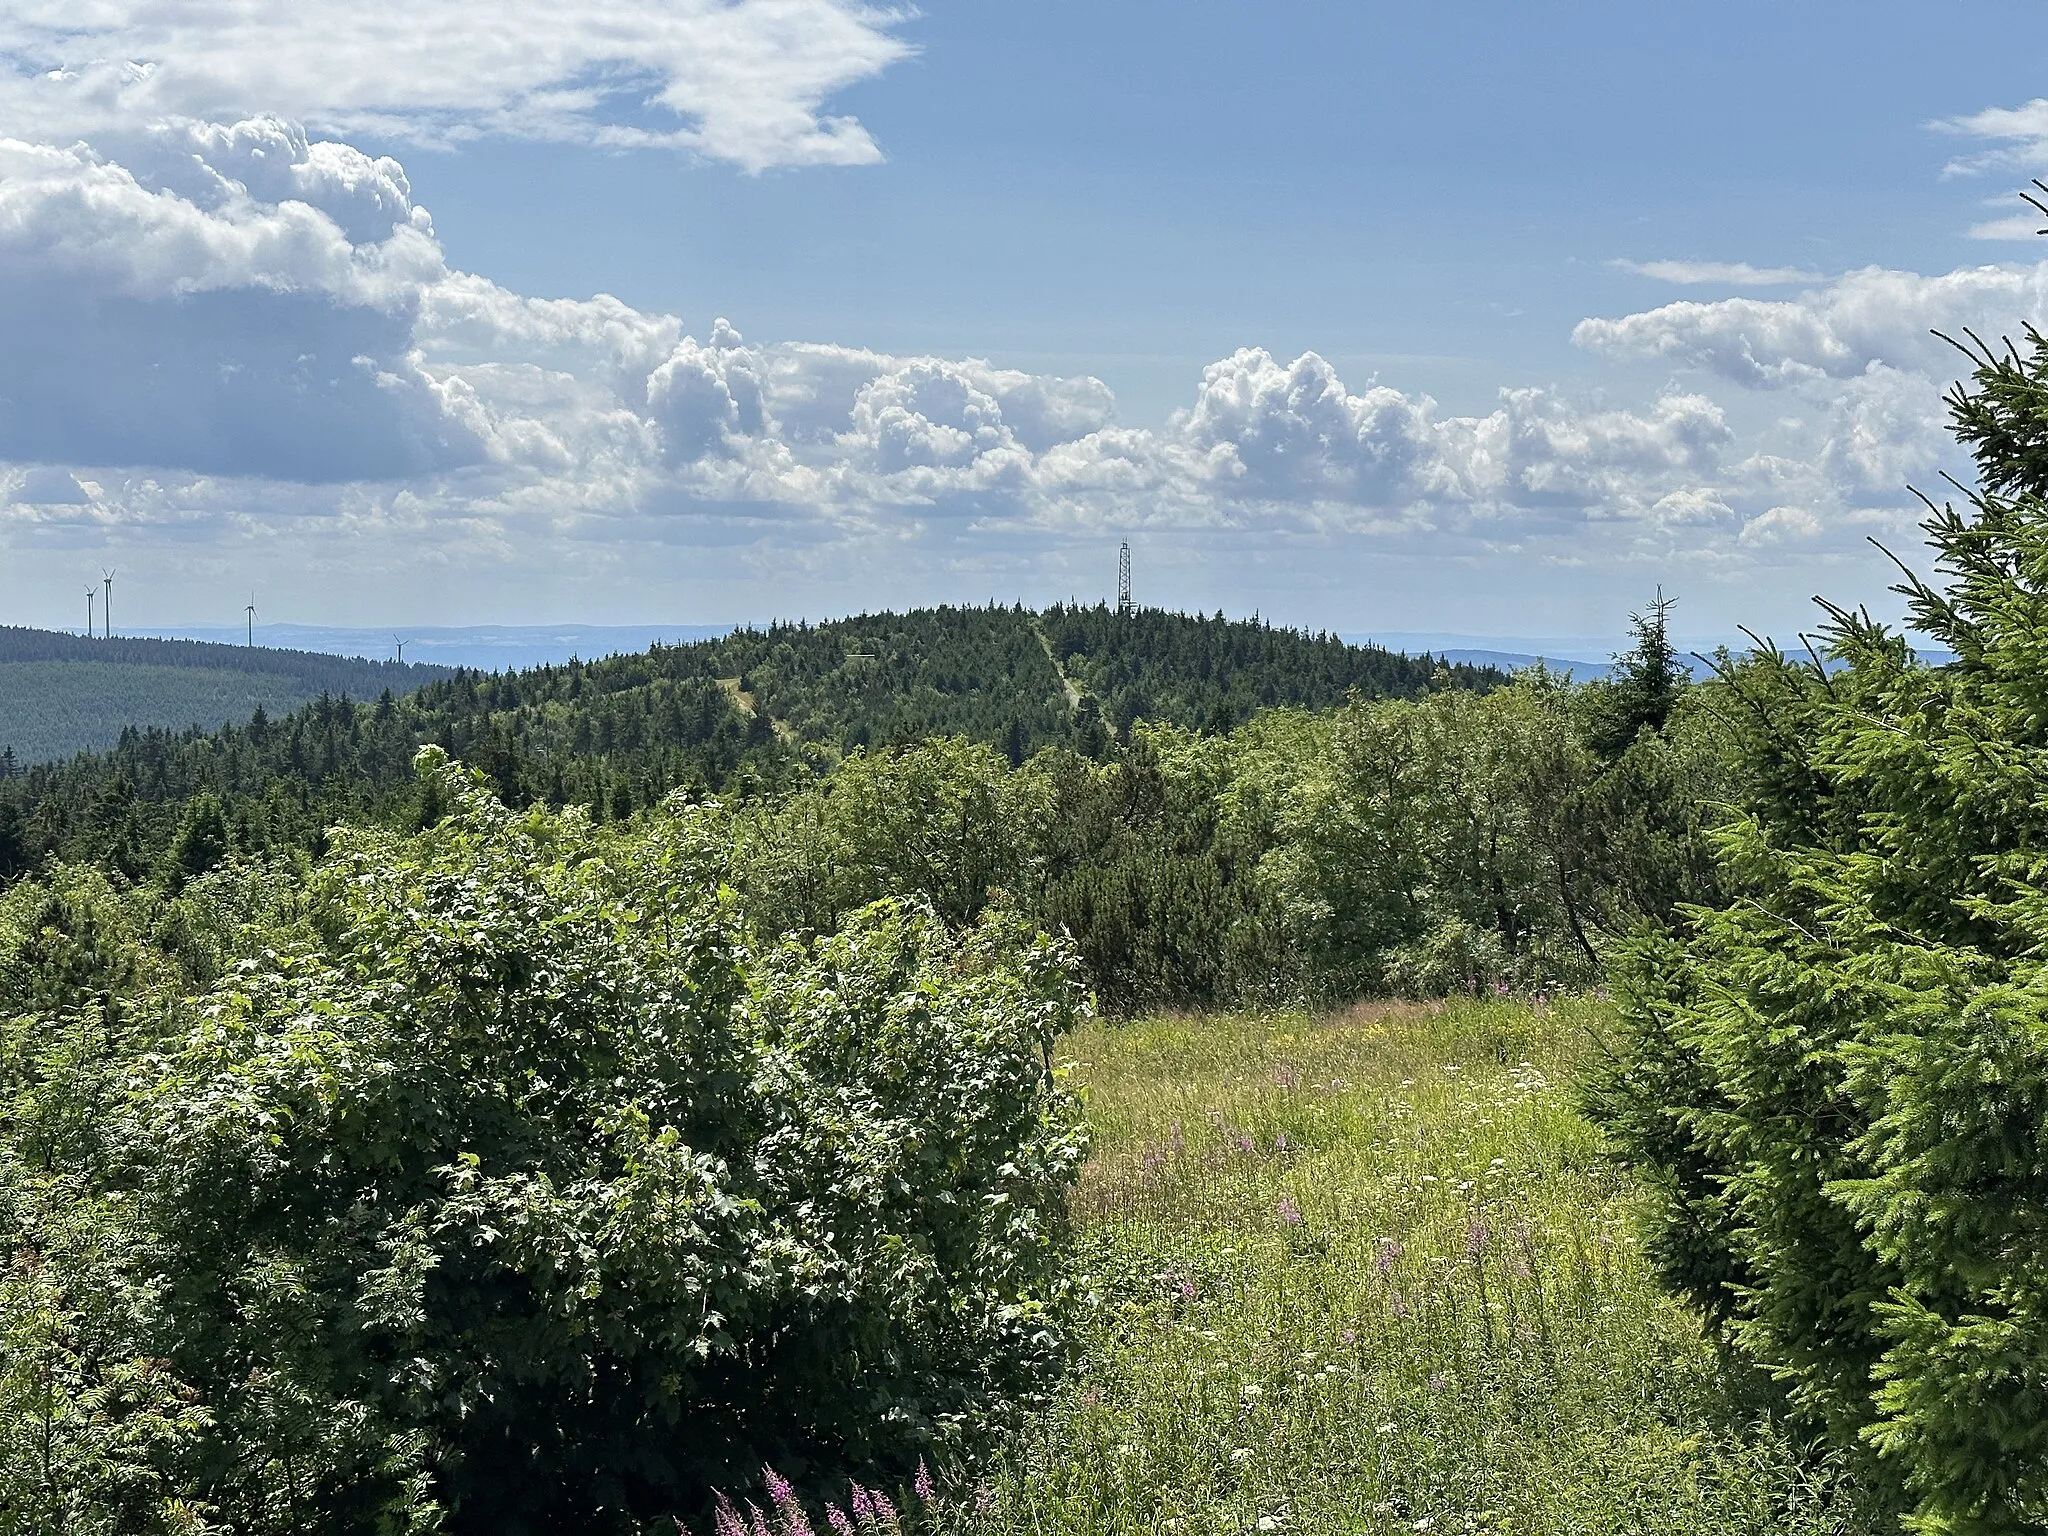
(745, 81)
(1720, 274)
(2017, 226)
(222, 332)
(1779, 525)
(2020, 132)
(1836, 331)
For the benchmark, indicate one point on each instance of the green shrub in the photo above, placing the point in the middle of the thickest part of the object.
(1838, 1083)
(497, 1185)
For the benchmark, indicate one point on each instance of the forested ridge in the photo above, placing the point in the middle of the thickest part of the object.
(61, 694)
(745, 714)
(336, 674)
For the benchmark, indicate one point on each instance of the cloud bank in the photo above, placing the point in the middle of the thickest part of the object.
(223, 329)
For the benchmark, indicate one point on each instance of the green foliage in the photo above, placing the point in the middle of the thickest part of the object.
(498, 1183)
(1456, 842)
(1838, 1083)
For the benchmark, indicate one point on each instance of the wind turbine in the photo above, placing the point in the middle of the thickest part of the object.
(107, 608)
(400, 643)
(90, 594)
(250, 613)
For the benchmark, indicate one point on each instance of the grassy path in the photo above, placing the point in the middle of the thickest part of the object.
(1367, 1273)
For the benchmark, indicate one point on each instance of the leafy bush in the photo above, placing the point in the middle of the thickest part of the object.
(497, 1184)
(1838, 1083)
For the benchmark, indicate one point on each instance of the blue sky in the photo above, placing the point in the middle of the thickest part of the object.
(1481, 318)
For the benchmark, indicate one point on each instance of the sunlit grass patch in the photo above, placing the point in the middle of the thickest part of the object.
(1367, 1272)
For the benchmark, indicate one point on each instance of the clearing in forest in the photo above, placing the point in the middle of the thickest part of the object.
(1369, 1272)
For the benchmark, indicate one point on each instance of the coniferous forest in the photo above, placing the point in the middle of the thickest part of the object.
(996, 1071)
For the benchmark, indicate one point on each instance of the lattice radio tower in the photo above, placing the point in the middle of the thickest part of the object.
(1123, 579)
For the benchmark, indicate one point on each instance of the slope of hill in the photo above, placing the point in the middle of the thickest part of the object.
(61, 694)
(737, 714)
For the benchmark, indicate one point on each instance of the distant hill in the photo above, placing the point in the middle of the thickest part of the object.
(736, 714)
(61, 694)
(483, 647)
(1516, 661)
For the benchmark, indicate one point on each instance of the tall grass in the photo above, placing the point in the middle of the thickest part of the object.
(1367, 1272)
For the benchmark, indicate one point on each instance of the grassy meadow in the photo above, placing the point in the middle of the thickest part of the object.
(1368, 1272)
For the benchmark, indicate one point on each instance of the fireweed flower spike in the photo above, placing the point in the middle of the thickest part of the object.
(840, 1521)
(794, 1521)
(922, 1483)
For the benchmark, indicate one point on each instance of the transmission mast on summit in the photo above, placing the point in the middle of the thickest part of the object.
(1123, 579)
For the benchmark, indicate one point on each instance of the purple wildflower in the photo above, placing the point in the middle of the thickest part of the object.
(1388, 1250)
(1476, 1234)
(863, 1505)
(757, 1525)
(779, 1492)
(921, 1485)
(840, 1521)
(1289, 1211)
(1349, 1336)
(1187, 1288)
(886, 1512)
(725, 1520)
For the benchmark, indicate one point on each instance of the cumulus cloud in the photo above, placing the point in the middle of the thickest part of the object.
(745, 81)
(1720, 274)
(1836, 331)
(219, 329)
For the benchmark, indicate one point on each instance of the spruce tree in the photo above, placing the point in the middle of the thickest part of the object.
(1837, 1084)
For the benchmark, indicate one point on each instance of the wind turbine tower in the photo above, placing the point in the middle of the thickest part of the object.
(90, 594)
(107, 607)
(1123, 579)
(250, 614)
(397, 641)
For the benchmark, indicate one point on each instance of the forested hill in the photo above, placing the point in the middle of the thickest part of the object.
(61, 693)
(315, 669)
(746, 711)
